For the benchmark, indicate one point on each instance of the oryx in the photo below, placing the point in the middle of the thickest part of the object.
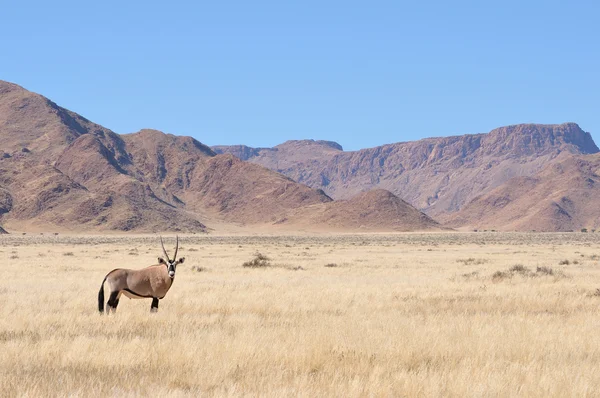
(151, 282)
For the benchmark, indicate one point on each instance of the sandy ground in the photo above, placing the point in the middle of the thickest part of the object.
(438, 314)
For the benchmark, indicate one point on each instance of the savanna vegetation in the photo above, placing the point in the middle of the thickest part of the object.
(444, 314)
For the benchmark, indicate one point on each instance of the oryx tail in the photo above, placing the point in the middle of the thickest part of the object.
(101, 296)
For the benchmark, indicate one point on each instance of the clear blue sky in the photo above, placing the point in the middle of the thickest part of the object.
(262, 72)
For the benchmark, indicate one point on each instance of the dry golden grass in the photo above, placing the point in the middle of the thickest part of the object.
(348, 315)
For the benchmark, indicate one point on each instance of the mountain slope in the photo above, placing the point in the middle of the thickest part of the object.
(190, 175)
(32, 122)
(377, 210)
(60, 171)
(436, 175)
(562, 197)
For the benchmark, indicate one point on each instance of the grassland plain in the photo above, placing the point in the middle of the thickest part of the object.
(433, 314)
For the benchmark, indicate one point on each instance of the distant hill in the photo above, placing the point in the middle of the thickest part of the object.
(377, 210)
(285, 155)
(562, 197)
(436, 175)
(61, 171)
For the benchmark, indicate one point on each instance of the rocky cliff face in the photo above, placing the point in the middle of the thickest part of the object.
(436, 175)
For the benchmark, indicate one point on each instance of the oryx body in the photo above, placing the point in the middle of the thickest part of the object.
(151, 282)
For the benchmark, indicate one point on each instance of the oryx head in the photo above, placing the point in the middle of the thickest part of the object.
(171, 264)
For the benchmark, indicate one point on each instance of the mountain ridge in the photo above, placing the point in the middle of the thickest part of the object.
(437, 175)
(60, 170)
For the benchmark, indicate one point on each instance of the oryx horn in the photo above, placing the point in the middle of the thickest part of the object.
(164, 251)
(176, 248)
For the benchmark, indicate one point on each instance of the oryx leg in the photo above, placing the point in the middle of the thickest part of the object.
(113, 301)
(154, 307)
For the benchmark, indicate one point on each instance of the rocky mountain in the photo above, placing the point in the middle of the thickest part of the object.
(59, 170)
(31, 122)
(36, 133)
(436, 175)
(562, 197)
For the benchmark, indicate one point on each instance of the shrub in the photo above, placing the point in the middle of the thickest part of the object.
(259, 261)
(472, 261)
(544, 271)
(519, 269)
(564, 262)
(499, 275)
(470, 275)
(331, 265)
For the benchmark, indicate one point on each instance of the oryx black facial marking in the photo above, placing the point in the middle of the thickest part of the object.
(171, 264)
(152, 282)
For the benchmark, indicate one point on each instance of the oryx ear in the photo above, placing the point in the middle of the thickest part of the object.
(161, 260)
(181, 260)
